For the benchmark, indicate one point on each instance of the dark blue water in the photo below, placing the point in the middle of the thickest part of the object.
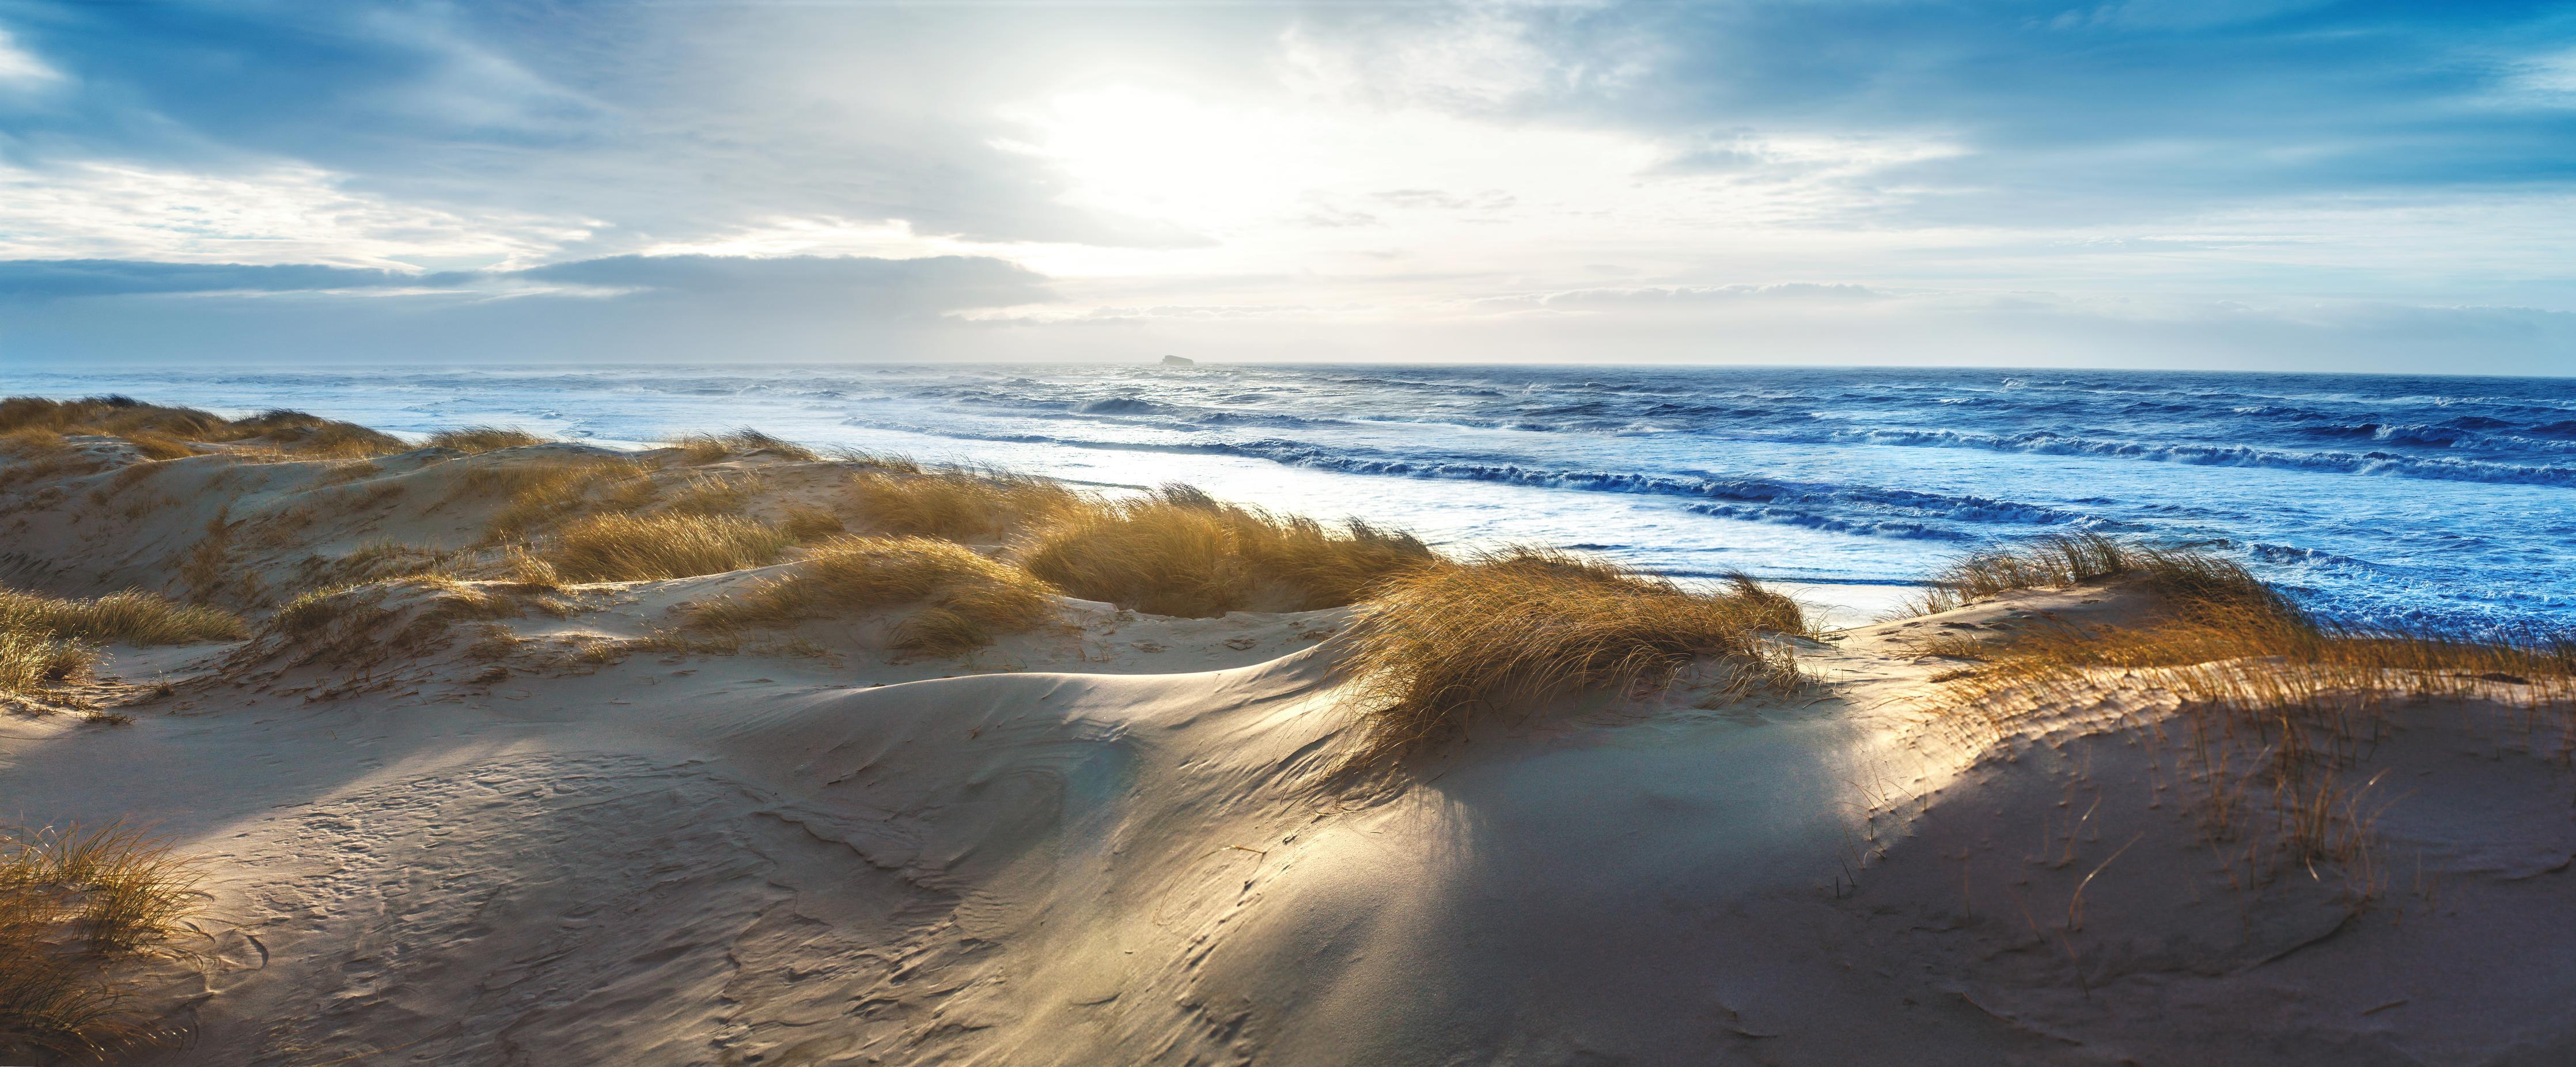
(2389, 499)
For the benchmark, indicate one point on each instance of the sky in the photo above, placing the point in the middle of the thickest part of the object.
(2236, 184)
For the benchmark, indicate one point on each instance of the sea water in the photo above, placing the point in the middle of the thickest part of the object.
(2393, 500)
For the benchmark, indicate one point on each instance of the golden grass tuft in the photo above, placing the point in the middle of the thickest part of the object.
(133, 617)
(1441, 648)
(478, 439)
(2278, 704)
(155, 446)
(968, 596)
(628, 548)
(1178, 552)
(704, 448)
(46, 642)
(2051, 562)
(29, 442)
(539, 495)
(959, 503)
(33, 662)
(804, 524)
(74, 903)
(701, 494)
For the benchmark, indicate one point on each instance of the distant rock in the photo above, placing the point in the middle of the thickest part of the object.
(1179, 361)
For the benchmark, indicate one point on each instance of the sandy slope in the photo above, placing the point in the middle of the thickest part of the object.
(1125, 844)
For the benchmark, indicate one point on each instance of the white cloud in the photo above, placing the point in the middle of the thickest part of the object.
(2550, 76)
(20, 67)
(285, 214)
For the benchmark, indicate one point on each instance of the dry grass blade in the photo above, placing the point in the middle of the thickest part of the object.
(630, 548)
(1177, 552)
(71, 904)
(1443, 647)
(969, 597)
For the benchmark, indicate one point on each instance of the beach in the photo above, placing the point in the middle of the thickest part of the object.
(462, 787)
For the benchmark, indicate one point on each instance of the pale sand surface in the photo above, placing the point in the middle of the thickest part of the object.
(1122, 843)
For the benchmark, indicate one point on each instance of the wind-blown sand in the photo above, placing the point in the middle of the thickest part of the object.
(1124, 842)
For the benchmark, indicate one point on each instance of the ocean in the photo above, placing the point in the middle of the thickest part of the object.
(2377, 499)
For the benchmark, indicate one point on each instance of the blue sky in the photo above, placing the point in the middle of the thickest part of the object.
(2164, 183)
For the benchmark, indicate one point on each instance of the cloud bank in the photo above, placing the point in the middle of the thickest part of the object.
(2286, 183)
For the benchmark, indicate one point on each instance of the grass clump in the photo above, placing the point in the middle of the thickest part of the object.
(959, 503)
(706, 448)
(478, 439)
(804, 524)
(46, 643)
(1442, 647)
(967, 597)
(73, 904)
(32, 662)
(628, 548)
(2051, 562)
(133, 617)
(539, 495)
(699, 494)
(2276, 704)
(1177, 552)
(306, 435)
(155, 446)
(161, 431)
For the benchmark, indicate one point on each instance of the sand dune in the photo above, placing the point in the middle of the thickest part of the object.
(491, 821)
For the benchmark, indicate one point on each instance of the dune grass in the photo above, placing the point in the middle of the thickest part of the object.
(629, 548)
(73, 904)
(160, 430)
(2052, 562)
(34, 663)
(158, 446)
(47, 642)
(959, 503)
(540, 495)
(133, 617)
(1441, 648)
(704, 448)
(967, 598)
(702, 494)
(2219, 637)
(2277, 704)
(1177, 552)
(804, 524)
(478, 439)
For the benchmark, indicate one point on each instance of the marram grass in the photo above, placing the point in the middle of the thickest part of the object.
(1441, 648)
(475, 439)
(966, 597)
(73, 904)
(629, 548)
(1177, 552)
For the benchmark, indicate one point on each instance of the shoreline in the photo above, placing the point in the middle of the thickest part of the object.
(1876, 475)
